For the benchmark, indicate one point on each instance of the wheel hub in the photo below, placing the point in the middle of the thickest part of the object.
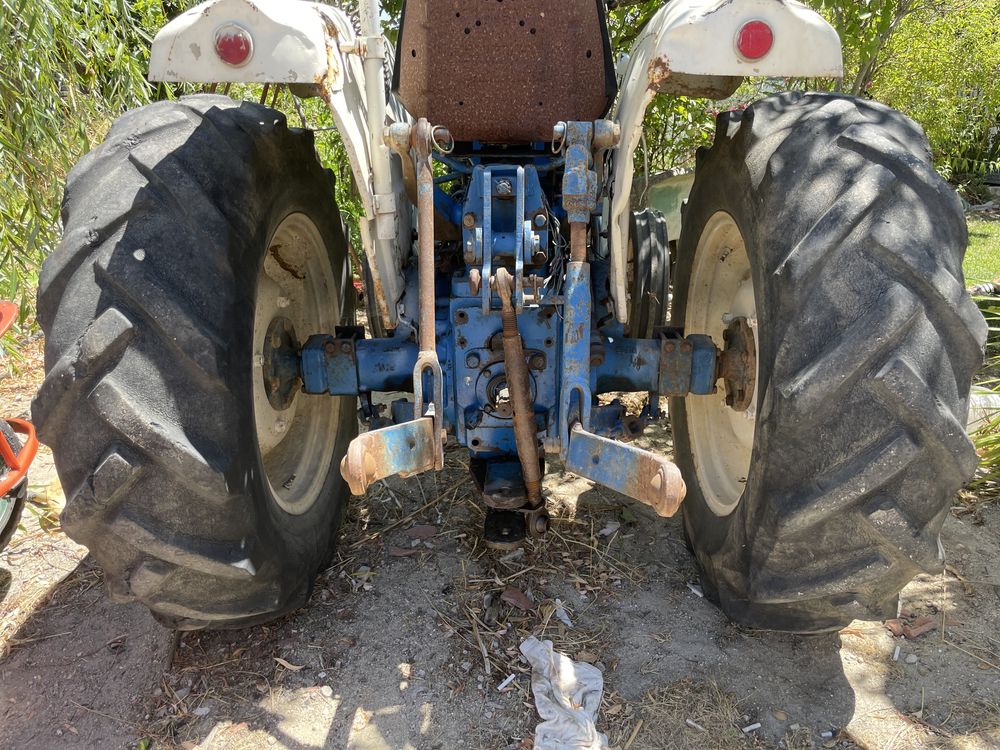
(738, 364)
(280, 368)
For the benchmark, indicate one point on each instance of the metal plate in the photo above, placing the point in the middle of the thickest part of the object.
(504, 72)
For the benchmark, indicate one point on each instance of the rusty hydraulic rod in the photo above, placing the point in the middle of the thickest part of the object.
(423, 143)
(415, 446)
(422, 140)
(525, 427)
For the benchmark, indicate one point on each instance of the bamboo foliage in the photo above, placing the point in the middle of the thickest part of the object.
(67, 69)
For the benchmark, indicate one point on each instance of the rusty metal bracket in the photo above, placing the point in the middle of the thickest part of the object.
(403, 449)
(636, 473)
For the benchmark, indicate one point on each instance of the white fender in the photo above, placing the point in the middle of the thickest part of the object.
(689, 47)
(304, 44)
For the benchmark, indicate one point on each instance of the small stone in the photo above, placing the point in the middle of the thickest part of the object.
(911, 659)
(201, 711)
(327, 691)
(271, 740)
(779, 715)
(403, 684)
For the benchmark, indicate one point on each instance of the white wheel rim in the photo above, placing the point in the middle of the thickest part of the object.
(296, 282)
(721, 289)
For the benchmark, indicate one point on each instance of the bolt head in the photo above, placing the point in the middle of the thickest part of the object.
(330, 348)
(472, 361)
(504, 186)
(469, 220)
(346, 347)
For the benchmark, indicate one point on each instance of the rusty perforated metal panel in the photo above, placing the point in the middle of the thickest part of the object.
(504, 71)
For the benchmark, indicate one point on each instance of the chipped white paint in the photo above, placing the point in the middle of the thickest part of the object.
(306, 43)
(682, 46)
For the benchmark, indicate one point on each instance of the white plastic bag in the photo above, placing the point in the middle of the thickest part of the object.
(567, 696)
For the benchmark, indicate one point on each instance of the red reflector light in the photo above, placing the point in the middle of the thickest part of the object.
(755, 40)
(233, 45)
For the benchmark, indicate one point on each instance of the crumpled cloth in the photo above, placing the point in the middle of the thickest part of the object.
(567, 696)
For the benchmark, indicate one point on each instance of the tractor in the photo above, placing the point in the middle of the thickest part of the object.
(810, 341)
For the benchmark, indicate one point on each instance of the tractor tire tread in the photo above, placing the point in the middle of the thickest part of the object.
(841, 543)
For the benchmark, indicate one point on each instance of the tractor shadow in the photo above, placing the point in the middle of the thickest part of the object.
(79, 669)
(397, 664)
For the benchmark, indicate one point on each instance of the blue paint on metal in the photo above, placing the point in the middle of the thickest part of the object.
(447, 206)
(481, 424)
(519, 231)
(575, 394)
(605, 461)
(579, 187)
(573, 345)
(344, 367)
(627, 365)
(313, 366)
(703, 365)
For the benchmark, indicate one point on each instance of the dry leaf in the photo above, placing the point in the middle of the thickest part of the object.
(518, 598)
(422, 531)
(288, 665)
(587, 656)
(921, 626)
(895, 627)
(403, 551)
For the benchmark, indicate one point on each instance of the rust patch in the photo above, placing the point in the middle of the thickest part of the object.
(504, 72)
(285, 266)
(658, 71)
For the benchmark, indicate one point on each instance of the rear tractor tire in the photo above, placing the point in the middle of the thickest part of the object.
(821, 242)
(202, 244)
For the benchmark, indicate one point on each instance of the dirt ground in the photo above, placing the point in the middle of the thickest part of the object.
(411, 631)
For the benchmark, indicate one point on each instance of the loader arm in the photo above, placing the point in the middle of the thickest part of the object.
(693, 48)
(314, 49)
